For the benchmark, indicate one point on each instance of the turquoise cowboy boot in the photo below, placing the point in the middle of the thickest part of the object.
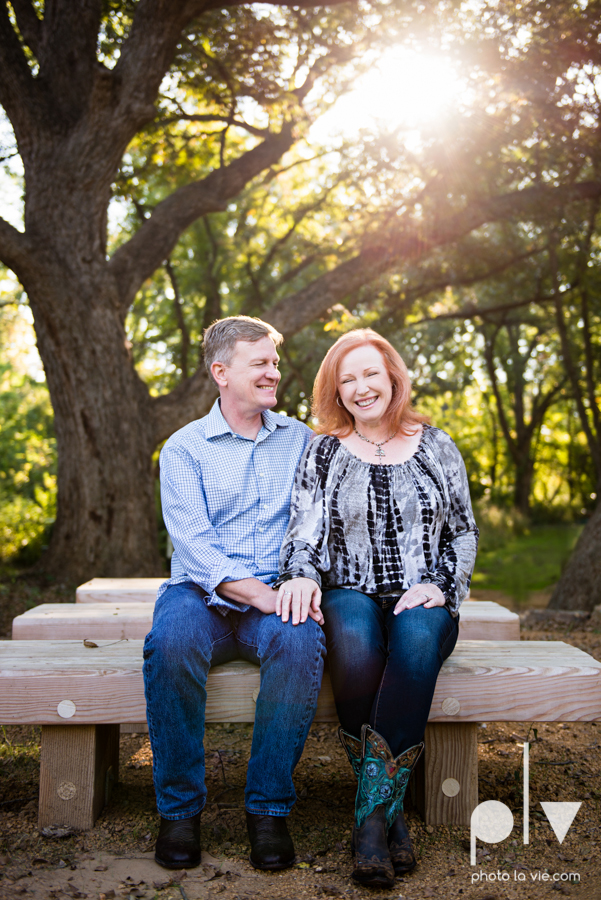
(372, 860)
(382, 784)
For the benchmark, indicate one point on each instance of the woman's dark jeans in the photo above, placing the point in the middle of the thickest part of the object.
(384, 667)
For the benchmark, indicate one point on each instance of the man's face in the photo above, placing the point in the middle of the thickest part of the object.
(253, 375)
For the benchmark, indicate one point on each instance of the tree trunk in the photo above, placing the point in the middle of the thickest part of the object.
(524, 473)
(580, 584)
(104, 421)
(106, 517)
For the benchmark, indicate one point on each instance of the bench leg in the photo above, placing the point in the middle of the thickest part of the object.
(79, 764)
(138, 728)
(446, 777)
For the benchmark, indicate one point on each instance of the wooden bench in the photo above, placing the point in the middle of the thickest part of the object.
(132, 619)
(481, 620)
(79, 694)
(122, 590)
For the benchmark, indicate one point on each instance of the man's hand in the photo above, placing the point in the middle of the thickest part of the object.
(427, 595)
(300, 597)
(250, 591)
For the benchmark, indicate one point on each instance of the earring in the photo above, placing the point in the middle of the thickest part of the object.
(338, 402)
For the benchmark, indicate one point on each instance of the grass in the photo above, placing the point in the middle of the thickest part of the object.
(520, 563)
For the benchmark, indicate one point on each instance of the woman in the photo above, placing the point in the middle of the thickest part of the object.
(381, 521)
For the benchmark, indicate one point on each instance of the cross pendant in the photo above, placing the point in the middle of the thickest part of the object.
(380, 452)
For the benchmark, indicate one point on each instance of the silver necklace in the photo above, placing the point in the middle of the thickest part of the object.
(378, 444)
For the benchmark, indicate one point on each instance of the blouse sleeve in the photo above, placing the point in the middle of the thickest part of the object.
(458, 542)
(304, 552)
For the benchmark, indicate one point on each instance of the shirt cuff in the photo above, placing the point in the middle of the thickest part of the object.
(230, 572)
(224, 604)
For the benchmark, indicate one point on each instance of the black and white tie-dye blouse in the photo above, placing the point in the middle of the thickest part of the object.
(381, 528)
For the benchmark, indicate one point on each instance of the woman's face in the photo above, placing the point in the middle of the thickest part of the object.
(364, 385)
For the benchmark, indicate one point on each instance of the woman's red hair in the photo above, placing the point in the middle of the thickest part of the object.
(335, 419)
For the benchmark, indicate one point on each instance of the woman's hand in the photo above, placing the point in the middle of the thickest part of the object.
(427, 595)
(300, 597)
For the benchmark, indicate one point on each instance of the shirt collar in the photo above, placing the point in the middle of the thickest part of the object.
(216, 425)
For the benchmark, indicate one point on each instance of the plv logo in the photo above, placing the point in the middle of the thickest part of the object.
(492, 821)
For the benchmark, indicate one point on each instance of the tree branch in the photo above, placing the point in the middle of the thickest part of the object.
(408, 242)
(178, 308)
(28, 23)
(229, 120)
(421, 290)
(470, 311)
(189, 400)
(136, 260)
(492, 374)
(589, 355)
(17, 86)
(149, 48)
(15, 249)
(212, 310)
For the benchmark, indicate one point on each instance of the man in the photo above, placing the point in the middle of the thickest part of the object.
(225, 486)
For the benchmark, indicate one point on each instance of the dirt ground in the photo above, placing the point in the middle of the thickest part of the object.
(115, 858)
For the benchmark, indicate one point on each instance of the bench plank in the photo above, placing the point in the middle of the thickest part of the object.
(111, 590)
(507, 681)
(133, 619)
(74, 621)
(483, 620)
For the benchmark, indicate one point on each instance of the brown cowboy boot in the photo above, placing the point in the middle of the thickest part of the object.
(400, 847)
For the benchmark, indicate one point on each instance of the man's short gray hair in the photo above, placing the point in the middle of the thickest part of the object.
(219, 340)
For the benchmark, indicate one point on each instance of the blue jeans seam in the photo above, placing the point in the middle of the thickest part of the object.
(180, 818)
(254, 647)
(218, 641)
(269, 812)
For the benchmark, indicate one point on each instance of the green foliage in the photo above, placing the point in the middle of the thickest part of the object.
(519, 563)
(24, 753)
(495, 378)
(475, 318)
(27, 453)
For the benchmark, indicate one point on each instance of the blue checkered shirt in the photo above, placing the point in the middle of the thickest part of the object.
(226, 500)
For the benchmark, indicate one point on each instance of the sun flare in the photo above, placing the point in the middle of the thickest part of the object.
(404, 88)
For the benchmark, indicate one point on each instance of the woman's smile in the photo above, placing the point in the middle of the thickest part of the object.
(365, 402)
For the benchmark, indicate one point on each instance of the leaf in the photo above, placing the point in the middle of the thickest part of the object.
(87, 643)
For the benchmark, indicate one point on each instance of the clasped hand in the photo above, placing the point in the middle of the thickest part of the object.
(299, 598)
(427, 595)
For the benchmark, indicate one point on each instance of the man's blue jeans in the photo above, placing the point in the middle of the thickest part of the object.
(384, 667)
(186, 639)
